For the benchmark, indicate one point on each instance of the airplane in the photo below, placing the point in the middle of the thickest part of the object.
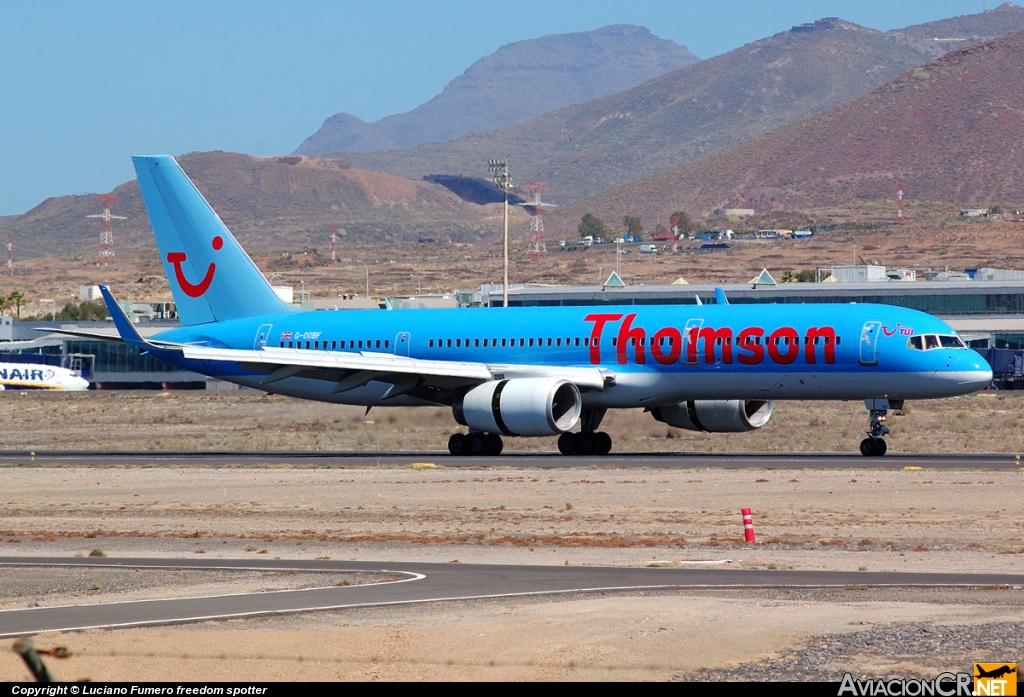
(36, 376)
(534, 372)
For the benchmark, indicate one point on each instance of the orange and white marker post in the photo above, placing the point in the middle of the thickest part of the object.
(748, 525)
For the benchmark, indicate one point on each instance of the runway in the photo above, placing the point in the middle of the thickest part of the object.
(893, 461)
(428, 583)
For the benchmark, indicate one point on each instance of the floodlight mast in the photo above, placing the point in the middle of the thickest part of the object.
(503, 180)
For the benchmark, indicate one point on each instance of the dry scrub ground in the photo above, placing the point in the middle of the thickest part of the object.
(928, 240)
(250, 420)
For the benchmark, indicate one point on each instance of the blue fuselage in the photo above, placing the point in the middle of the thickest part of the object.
(654, 355)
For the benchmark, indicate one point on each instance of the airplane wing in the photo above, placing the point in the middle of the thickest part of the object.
(351, 370)
(356, 369)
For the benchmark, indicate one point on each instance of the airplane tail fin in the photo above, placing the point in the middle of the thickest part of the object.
(129, 334)
(211, 276)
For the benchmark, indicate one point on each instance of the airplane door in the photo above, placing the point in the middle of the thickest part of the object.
(869, 343)
(262, 334)
(690, 334)
(402, 341)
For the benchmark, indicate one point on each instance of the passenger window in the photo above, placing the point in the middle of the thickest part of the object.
(386, 342)
(485, 343)
(586, 342)
(522, 342)
(377, 344)
(576, 341)
(290, 345)
(531, 342)
(448, 344)
(615, 340)
(316, 344)
(351, 343)
(430, 344)
(334, 345)
(503, 343)
(558, 341)
(549, 342)
(476, 343)
(307, 344)
(282, 345)
(458, 343)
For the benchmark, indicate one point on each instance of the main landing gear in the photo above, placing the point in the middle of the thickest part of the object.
(873, 445)
(475, 444)
(599, 443)
(589, 441)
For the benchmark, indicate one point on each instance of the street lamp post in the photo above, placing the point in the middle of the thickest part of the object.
(367, 276)
(503, 180)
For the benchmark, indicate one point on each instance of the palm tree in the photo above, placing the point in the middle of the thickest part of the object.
(16, 298)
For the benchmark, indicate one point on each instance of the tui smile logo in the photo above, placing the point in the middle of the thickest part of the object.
(194, 290)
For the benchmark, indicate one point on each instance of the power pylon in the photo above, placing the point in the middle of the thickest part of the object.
(537, 247)
(107, 236)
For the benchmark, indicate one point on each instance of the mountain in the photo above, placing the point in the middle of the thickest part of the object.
(516, 82)
(267, 202)
(685, 114)
(935, 38)
(952, 129)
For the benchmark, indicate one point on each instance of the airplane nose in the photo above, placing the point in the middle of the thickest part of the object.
(973, 372)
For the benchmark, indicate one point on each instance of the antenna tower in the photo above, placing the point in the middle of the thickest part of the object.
(107, 236)
(537, 247)
(334, 245)
(899, 203)
(10, 254)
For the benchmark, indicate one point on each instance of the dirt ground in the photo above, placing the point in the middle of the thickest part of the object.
(805, 519)
(596, 514)
(250, 420)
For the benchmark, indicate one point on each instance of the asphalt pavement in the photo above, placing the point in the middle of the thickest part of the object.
(424, 582)
(982, 461)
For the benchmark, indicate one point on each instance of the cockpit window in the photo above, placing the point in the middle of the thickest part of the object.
(925, 342)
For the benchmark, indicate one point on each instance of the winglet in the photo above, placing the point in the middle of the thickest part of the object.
(699, 302)
(720, 298)
(124, 325)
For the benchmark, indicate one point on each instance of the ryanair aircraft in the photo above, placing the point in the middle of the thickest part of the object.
(535, 371)
(33, 376)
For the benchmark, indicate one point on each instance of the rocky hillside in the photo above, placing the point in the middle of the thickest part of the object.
(936, 38)
(952, 129)
(516, 82)
(690, 112)
(268, 203)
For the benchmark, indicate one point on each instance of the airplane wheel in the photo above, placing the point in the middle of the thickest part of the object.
(476, 444)
(880, 447)
(604, 443)
(586, 443)
(867, 447)
(457, 444)
(494, 444)
(566, 444)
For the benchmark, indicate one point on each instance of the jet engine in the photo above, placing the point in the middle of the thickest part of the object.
(716, 416)
(520, 407)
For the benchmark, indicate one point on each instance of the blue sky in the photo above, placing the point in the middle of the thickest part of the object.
(84, 85)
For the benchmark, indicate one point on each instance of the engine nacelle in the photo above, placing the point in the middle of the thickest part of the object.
(521, 407)
(716, 416)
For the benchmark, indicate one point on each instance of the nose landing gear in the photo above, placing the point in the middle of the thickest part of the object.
(873, 445)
